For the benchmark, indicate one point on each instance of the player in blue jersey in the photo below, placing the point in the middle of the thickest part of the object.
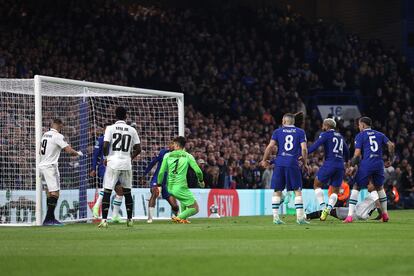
(98, 169)
(290, 142)
(368, 155)
(154, 187)
(332, 170)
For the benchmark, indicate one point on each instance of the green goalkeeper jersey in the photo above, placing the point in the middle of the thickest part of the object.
(176, 164)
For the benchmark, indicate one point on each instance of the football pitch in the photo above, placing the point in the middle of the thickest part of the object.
(226, 246)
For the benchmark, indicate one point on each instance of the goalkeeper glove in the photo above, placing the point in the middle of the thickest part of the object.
(201, 184)
(80, 153)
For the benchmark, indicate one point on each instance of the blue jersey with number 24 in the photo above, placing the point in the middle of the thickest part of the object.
(288, 140)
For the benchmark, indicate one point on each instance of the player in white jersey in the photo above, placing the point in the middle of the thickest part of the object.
(51, 145)
(363, 210)
(121, 146)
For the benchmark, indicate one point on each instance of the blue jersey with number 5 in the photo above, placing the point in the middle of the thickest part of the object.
(371, 142)
(288, 140)
(336, 150)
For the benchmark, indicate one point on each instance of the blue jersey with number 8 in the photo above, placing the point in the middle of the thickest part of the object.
(288, 140)
(371, 143)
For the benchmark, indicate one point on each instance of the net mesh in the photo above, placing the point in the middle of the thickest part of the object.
(84, 111)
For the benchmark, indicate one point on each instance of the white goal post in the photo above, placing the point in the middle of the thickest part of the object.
(27, 107)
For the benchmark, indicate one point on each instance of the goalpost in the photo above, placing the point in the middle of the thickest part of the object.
(27, 107)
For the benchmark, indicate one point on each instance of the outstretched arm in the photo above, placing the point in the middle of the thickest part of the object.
(317, 144)
(193, 164)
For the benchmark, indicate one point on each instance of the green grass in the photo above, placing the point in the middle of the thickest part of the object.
(227, 246)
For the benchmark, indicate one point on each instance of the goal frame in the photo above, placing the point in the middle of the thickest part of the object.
(38, 79)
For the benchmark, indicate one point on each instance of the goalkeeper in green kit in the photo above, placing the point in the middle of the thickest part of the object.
(174, 166)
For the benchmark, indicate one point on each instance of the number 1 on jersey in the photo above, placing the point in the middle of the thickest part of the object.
(176, 166)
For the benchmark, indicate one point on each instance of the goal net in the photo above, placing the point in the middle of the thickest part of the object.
(27, 108)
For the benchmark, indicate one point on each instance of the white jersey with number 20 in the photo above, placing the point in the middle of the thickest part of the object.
(122, 138)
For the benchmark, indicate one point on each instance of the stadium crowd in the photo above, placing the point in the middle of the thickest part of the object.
(239, 76)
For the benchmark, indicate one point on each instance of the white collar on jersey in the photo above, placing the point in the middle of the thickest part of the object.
(120, 122)
(368, 128)
(288, 125)
(53, 129)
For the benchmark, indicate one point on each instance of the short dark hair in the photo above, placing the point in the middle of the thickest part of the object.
(120, 113)
(366, 120)
(180, 140)
(57, 121)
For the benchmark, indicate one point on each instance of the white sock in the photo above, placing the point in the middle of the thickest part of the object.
(383, 200)
(299, 207)
(319, 197)
(353, 200)
(150, 212)
(374, 195)
(117, 205)
(332, 201)
(99, 200)
(275, 205)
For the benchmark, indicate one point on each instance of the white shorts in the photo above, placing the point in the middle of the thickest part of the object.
(50, 177)
(112, 177)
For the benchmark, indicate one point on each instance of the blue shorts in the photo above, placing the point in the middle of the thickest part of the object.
(331, 176)
(101, 173)
(286, 177)
(164, 191)
(364, 175)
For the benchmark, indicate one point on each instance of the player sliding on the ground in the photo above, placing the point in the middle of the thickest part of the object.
(290, 142)
(121, 146)
(99, 166)
(363, 210)
(369, 143)
(332, 170)
(154, 187)
(175, 164)
(51, 145)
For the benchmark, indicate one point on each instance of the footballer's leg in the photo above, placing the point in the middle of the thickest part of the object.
(96, 207)
(170, 199)
(126, 182)
(174, 205)
(51, 176)
(336, 182)
(361, 180)
(353, 200)
(318, 183)
(151, 202)
(378, 181)
(300, 217)
(278, 184)
(110, 179)
(119, 194)
(186, 197)
(294, 183)
(383, 203)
